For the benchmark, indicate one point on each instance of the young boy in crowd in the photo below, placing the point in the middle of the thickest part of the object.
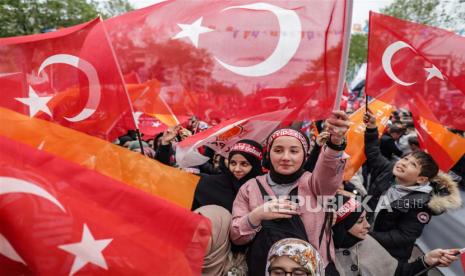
(404, 194)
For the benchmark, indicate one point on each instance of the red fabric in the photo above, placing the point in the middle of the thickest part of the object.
(143, 234)
(196, 79)
(420, 47)
(463, 261)
(223, 136)
(150, 126)
(84, 68)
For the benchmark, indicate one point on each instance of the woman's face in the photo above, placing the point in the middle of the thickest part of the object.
(286, 155)
(239, 166)
(280, 266)
(361, 227)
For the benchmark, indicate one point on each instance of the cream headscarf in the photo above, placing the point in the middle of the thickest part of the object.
(216, 259)
(300, 252)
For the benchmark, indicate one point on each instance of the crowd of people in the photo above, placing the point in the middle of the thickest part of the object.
(281, 207)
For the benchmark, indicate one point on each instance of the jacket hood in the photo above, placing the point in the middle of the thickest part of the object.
(445, 195)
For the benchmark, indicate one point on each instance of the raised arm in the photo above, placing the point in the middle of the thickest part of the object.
(329, 169)
(375, 160)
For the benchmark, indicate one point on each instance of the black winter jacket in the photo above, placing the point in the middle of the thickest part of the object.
(398, 230)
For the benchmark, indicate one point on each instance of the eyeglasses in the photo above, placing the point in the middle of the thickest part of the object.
(277, 271)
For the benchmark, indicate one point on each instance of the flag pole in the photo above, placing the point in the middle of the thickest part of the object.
(366, 103)
(345, 53)
(139, 137)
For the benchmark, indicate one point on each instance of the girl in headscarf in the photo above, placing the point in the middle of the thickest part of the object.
(287, 150)
(357, 253)
(244, 163)
(294, 256)
(216, 261)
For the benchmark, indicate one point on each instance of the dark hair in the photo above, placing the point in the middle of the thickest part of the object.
(429, 167)
(409, 124)
(413, 140)
(395, 129)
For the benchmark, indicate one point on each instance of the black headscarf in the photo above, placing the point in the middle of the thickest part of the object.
(222, 189)
(345, 220)
(253, 158)
(281, 178)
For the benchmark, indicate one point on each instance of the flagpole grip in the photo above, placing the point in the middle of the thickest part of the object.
(139, 138)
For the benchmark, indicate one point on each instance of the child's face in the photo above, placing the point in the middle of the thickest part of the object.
(407, 171)
(286, 155)
(283, 265)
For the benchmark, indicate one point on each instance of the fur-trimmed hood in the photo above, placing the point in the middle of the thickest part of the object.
(445, 195)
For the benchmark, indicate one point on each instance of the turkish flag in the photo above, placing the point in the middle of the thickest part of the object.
(424, 63)
(148, 125)
(69, 77)
(99, 155)
(445, 147)
(55, 220)
(224, 57)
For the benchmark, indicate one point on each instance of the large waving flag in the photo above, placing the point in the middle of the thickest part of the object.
(224, 135)
(69, 77)
(424, 63)
(444, 146)
(356, 134)
(60, 218)
(101, 156)
(241, 58)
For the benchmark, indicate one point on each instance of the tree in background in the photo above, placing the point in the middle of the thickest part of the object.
(357, 53)
(23, 17)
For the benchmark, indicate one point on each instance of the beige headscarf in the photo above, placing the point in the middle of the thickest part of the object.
(216, 258)
(300, 252)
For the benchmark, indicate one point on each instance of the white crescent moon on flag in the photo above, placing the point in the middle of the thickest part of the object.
(387, 58)
(94, 84)
(286, 48)
(9, 185)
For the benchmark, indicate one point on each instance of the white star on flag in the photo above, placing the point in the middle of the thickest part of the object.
(88, 250)
(36, 103)
(192, 31)
(433, 72)
(156, 124)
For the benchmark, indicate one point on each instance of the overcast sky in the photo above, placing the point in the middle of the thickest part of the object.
(360, 14)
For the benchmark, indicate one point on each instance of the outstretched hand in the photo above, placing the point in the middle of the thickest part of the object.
(441, 257)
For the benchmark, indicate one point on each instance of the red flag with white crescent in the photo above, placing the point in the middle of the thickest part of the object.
(224, 57)
(55, 220)
(423, 63)
(69, 77)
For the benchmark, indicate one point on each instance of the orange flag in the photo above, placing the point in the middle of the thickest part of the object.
(356, 134)
(146, 98)
(444, 146)
(106, 158)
